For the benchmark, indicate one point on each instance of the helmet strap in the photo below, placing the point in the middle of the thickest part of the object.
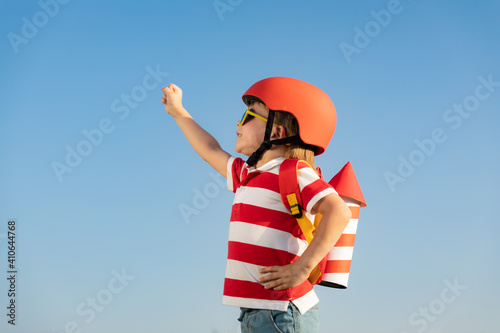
(268, 143)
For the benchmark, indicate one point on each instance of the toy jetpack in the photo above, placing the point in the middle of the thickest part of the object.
(333, 270)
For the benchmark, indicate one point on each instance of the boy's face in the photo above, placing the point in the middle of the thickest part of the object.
(251, 134)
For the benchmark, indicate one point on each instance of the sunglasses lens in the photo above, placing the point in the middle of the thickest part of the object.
(243, 118)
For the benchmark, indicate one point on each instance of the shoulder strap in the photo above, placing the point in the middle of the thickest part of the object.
(289, 186)
(290, 195)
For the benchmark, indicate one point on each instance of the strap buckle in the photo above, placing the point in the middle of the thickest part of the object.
(296, 211)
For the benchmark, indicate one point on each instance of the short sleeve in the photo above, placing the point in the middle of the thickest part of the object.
(235, 167)
(312, 188)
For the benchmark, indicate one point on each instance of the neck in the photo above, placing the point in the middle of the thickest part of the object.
(271, 154)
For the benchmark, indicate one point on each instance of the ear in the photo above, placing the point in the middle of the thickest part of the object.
(279, 132)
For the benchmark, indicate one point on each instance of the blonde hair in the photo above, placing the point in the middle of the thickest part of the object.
(298, 150)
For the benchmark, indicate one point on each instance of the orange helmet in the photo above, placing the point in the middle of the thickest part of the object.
(313, 109)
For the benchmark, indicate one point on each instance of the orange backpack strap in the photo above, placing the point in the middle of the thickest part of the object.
(290, 195)
(289, 186)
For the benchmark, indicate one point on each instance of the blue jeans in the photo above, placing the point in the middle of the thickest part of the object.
(273, 321)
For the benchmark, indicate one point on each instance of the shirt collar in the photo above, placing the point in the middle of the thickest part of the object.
(267, 166)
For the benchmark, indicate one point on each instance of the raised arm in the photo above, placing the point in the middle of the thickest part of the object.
(202, 142)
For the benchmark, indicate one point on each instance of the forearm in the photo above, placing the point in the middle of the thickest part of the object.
(336, 216)
(202, 142)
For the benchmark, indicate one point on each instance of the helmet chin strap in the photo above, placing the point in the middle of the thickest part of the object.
(268, 143)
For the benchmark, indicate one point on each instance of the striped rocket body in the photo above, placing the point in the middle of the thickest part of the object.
(338, 264)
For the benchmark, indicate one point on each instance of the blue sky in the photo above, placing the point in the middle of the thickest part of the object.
(102, 244)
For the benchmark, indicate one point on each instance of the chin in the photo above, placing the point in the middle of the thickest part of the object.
(241, 151)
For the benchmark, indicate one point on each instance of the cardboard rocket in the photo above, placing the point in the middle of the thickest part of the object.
(338, 265)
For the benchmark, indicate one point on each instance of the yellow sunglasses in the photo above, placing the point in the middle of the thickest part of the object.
(247, 115)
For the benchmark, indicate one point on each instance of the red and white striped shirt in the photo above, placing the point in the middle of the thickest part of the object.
(262, 233)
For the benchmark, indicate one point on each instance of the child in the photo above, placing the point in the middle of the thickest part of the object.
(269, 260)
